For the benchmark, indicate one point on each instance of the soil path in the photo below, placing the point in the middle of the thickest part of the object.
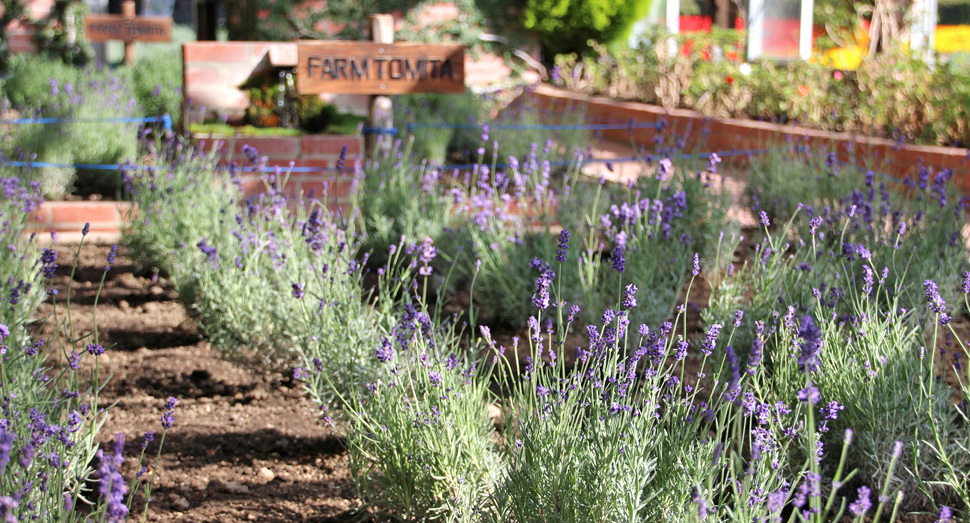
(245, 447)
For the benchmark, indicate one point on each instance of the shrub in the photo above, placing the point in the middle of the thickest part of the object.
(42, 88)
(51, 413)
(566, 26)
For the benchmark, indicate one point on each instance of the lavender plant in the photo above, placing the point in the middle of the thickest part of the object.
(40, 89)
(400, 194)
(51, 413)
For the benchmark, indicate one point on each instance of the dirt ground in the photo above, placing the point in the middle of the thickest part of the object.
(246, 446)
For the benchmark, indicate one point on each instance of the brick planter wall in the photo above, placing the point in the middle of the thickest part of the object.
(308, 151)
(726, 134)
(70, 217)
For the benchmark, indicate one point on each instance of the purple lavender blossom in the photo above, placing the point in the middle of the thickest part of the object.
(8, 506)
(862, 504)
(965, 287)
(738, 316)
(629, 298)
(619, 262)
(776, 501)
(148, 438)
(757, 348)
(298, 290)
(112, 485)
(541, 297)
(573, 311)
(763, 216)
(168, 417)
(946, 515)
(814, 224)
(211, 253)
(696, 266)
(811, 345)
(831, 411)
(711, 339)
(6, 443)
(608, 316)
(111, 257)
(681, 351)
(86, 229)
(702, 508)
(867, 280)
(385, 352)
(809, 394)
(664, 168)
(563, 246)
(48, 260)
(94, 349)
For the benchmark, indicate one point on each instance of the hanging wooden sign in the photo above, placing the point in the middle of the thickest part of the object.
(102, 28)
(377, 68)
(128, 28)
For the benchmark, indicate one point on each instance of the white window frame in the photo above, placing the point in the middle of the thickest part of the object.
(923, 30)
(756, 28)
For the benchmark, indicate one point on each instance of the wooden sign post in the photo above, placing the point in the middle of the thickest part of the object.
(128, 28)
(379, 68)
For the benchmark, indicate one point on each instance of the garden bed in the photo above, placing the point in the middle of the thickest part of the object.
(246, 445)
(705, 133)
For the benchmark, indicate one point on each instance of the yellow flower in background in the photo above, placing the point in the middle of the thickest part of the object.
(952, 38)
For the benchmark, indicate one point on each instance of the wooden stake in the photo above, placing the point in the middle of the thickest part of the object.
(128, 11)
(381, 110)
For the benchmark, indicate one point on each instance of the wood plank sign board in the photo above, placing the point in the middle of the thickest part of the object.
(372, 68)
(103, 28)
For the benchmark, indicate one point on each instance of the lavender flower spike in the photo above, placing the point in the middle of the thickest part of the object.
(113, 486)
(619, 262)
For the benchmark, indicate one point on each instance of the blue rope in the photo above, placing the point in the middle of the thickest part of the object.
(165, 119)
(116, 167)
(378, 130)
(526, 127)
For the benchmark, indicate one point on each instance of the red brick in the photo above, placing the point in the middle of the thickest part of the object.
(201, 76)
(324, 165)
(81, 212)
(341, 186)
(215, 52)
(272, 146)
(233, 74)
(329, 145)
(21, 42)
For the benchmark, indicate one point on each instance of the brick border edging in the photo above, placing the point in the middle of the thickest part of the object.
(727, 134)
(70, 217)
(313, 151)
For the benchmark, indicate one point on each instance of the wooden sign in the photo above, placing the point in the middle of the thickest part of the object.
(379, 68)
(102, 28)
(128, 28)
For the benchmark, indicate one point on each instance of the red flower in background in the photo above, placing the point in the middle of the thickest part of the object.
(731, 55)
(688, 47)
(729, 79)
(706, 55)
(804, 90)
